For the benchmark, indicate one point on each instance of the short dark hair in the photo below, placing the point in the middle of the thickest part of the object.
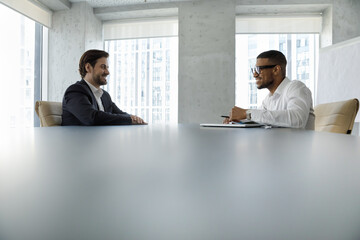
(90, 56)
(275, 57)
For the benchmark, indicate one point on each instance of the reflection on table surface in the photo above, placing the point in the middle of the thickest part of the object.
(178, 182)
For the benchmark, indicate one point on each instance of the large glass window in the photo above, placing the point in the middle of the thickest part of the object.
(301, 51)
(21, 68)
(143, 77)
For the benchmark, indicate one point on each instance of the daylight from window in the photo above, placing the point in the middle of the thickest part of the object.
(17, 46)
(301, 51)
(143, 77)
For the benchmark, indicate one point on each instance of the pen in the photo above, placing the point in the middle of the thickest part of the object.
(225, 116)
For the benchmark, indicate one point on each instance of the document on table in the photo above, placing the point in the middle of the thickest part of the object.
(241, 124)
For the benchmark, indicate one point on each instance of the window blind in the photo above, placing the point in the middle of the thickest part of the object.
(140, 29)
(279, 24)
(30, 10)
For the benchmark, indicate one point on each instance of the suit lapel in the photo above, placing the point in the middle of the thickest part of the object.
(105, 101)
(88, 89)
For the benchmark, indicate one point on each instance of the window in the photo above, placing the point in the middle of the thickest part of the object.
(262, 33)
(21, 63)
(143, 65)
(143, 77)
(301, 52)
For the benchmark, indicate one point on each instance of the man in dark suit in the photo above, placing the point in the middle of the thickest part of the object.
(85, 103)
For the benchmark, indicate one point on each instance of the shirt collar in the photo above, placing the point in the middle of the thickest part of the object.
(280, 89)
(96, 91)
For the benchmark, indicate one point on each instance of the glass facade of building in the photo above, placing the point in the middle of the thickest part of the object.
(300, 50)
(143, 77)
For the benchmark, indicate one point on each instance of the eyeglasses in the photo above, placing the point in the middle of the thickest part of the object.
(257, 69)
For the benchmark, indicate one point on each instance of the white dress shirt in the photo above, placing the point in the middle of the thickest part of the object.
(290, 106)
(98, 92)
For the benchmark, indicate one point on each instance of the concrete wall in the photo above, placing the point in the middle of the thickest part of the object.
(73, 32)
(346, 20)
(206, 60)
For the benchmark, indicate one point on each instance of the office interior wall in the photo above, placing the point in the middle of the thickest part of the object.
(73, 32)
(346, 20)
(206, 60)
(338, 70)
(206, 49)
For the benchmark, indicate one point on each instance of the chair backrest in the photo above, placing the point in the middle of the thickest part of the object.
(337, 117)
(49, 113)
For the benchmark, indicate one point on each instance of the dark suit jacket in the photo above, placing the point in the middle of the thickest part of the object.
(80, 108)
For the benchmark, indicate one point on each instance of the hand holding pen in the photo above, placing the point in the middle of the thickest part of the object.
(236, 115)
(226, 119)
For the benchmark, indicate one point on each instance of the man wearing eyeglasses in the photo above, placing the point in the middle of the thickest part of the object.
(288, 104)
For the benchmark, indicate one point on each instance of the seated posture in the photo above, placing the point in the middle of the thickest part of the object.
(85, 103)
(288, 104)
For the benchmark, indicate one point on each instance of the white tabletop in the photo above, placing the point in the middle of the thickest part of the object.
(178, 182)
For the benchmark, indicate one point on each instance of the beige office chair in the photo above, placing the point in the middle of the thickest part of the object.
(337, 117)
(49, 113)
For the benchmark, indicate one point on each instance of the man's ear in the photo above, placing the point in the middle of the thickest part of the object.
(88, 67)
(277, 70)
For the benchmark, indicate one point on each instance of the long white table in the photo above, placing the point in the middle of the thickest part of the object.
(178, 182)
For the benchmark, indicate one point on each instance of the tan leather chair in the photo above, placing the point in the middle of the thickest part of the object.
(337, 117)
(49, 113)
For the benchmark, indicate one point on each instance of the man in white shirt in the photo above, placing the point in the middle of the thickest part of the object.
(288, 104)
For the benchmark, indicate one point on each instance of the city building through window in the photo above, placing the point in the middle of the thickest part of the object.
(143, 77)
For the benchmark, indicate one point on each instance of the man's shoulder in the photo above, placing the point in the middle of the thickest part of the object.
(106, 93)
(297, 87)
(296, 84)
(78, 86)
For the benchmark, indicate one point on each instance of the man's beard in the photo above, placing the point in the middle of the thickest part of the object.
(98, 79)
(265, 85)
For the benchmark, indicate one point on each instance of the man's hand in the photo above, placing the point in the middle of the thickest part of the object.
(137, 120)
(237, 114)
(226, 120)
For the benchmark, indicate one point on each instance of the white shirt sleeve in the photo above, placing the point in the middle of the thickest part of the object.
(290, 109)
